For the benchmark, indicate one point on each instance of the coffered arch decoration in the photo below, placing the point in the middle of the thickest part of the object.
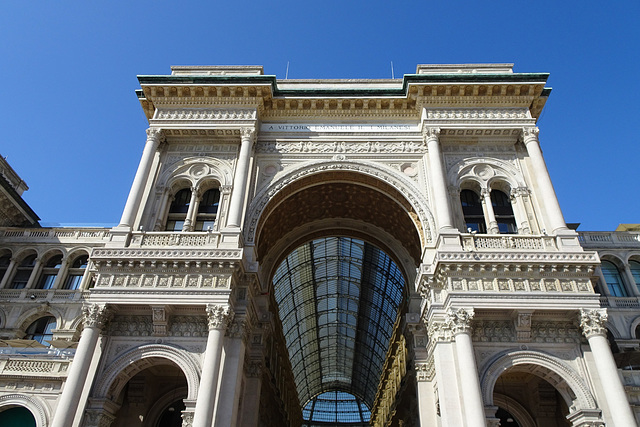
(339, 189)
(558, 373)
(485, 172)
(196, 170)
(123, 368)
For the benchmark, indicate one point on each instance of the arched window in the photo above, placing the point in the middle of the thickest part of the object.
(42, 329)
(612, 279)
(50, 272)
(208, 210)
(634, 267)
(178, 210)
(23, 272)
(4, 265)
(503, 212)
(472, 211)
(76, 272)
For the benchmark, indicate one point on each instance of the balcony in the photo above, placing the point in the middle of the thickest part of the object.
(508, 242)
(609, 239)
(175, 239)
(35, 362)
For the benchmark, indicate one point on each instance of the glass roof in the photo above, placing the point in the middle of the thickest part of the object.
(338, 300)
(335, 407)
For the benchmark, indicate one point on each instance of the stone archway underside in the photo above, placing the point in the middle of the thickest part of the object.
(340, 195)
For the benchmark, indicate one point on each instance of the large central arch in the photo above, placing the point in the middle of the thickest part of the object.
(338, 248)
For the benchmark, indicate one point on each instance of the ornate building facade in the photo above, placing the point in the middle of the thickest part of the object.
(324, 253)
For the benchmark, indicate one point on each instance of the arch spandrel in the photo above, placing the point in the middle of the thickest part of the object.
(484, 171)
(372, 178)
(196, 170)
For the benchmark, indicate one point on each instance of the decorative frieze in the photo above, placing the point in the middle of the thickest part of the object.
(188, 326)
(493, 331)
(478, 114)
(131, 326)
(108, 256)
(164, 281)
(346, 147)
(191, 114)
(554, 332)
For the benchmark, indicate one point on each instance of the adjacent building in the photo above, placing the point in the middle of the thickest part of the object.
(324, 253)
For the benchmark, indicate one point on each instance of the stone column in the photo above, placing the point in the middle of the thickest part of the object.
(154, 136)
(230, 383)
(517, 201)
(11, 268)
(438, 179)
(592, 323)
(35, 273)
(189, 220)
(95, 317)
(489, 214)
(546, 192)
(62, 272)
(459, 321)
(164, 201)
(427, 405)
(219, 316)
(241, 177)
(249, 416)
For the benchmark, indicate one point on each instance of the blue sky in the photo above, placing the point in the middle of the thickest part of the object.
(74, 131)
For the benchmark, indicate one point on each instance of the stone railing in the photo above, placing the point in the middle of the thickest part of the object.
(45, 362)
(609, 239)
(40, 295)
(619, 302)
(182, 239)
(68, 235)
(507, 242)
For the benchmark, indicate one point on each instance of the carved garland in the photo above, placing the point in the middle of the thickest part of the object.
(415, 198)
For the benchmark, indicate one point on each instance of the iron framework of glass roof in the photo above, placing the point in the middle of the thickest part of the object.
(338, 300)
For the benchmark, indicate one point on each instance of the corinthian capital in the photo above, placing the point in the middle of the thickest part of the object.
(459, 321)
(95, 315)
(430, 133)
(219, 316)
(530, 134)
(248, 133)
(592, 322)
(155, 133)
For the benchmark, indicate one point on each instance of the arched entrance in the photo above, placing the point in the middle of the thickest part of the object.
(531, 388)
(153, 397)
(338, 250)
(17, 416)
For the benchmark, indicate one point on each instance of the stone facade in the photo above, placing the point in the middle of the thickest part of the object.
(170, 317)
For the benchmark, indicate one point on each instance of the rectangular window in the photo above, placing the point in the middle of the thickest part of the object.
(47, 281)
(73, 282)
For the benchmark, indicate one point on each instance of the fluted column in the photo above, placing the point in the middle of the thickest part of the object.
(592, 323)
(189, 219)
(545, 188)
(219, 316)
(154, 136)
(11, 268)
(95, 317)
(230, 383)
(459, 321)
(241, 177)
(438, 179)
(490, 215)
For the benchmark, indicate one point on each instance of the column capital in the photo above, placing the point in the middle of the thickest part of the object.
(459, 321)
(530, 134)
(592, 322)
(238, 328)
(155, 133)
(96, 315)
(430, 133)
(248, 133)
(219, 316)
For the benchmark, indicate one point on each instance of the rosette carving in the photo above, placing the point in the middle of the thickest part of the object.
(592, 322)
(219, 316)
(459, 321)
(96, 315)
